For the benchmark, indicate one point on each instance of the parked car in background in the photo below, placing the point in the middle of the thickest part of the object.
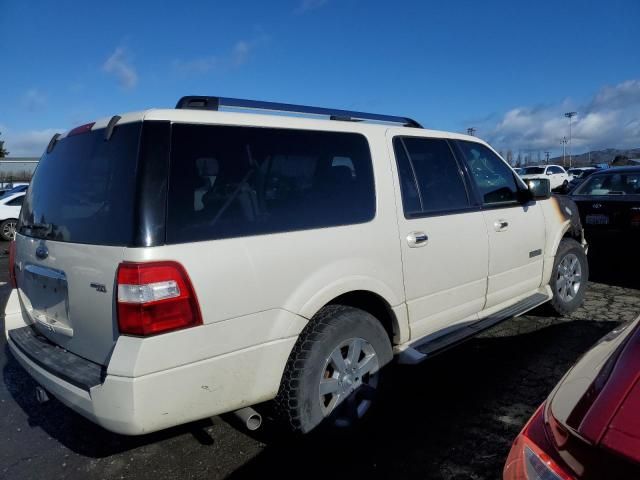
(609, 205)
(575, 171)
(17, 189)
(557, 175)
(10, 205)
(256, 258)
(580, 176)
(588, 428)
(518, 171)
(13, 188)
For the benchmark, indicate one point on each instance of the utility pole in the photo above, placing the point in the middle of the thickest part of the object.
(471, 131)
(546, 159)
(570, 115)
(564, 151)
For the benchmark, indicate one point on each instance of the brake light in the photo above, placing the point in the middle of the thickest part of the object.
(155, 297)
(12, 264)
(527, 460)
(81, 129)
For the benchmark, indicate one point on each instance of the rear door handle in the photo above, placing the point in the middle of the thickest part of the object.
(501, 225)
(417, 239)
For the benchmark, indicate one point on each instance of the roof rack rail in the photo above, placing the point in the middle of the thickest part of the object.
(214, 103)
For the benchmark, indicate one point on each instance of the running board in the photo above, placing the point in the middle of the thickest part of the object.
(430, 346)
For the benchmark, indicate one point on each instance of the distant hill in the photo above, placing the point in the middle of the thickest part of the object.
(597, 156)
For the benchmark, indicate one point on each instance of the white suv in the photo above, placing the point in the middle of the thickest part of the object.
(175, 264)
(557, 175)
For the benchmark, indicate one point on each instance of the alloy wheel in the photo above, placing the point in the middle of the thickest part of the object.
(349, 381)
(568, 277)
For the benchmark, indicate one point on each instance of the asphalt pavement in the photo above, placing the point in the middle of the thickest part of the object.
(453, 417)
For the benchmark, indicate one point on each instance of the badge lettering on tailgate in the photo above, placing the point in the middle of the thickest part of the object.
(99, 287)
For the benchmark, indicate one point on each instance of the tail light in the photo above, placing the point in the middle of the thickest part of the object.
(12, 264)
(527, 460)
(155, 297)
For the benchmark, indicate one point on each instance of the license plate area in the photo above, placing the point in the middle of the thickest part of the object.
(597, 219)
(47, 298)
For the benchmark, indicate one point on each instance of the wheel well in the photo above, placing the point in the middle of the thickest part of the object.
(373, 304)
(572, 233)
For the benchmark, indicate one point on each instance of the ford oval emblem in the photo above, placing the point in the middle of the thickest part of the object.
(42, 252)
(597, 205)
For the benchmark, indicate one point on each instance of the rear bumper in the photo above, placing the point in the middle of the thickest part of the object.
(151, 402)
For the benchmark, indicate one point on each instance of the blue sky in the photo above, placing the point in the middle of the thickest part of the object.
(508, 68)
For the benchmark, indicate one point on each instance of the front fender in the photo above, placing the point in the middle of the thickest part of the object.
(561, 218)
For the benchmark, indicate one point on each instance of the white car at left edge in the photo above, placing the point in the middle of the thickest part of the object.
(9, 211)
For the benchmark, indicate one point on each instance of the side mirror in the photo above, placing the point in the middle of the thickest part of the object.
(549, 173)
(540, 188)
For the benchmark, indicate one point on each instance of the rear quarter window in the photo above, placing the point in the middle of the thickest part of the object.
(237, 181)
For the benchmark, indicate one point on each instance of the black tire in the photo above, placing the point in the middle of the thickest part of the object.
(298, 405)
(5, 228)
(561, 304)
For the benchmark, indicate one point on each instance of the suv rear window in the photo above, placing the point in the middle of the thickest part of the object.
(83, 191)
(237, 181)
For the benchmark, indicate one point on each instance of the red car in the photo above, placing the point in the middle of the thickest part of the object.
(589, 427)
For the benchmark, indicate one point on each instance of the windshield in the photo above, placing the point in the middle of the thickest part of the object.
(533, 171)
(83, 191)
(611, 184)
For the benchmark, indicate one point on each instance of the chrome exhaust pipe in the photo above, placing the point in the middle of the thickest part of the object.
(41, 395)
(249, 417)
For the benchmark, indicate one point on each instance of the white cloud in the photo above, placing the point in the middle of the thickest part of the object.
(238, 55)
(34, 100)
(119, 64)
(308, 5)
(28, 143)
(196, 65)
(609, 119)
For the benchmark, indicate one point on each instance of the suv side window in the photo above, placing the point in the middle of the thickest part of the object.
(238, 181)
(430, 178)
(16, 202)
(495, 181)
(554, 170)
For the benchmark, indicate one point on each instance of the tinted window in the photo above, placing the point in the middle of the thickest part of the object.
(494, 179)
(16, 202)
(555, 170)
(430, 179)
(611, 184)
(235, 181)
(83, 191)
